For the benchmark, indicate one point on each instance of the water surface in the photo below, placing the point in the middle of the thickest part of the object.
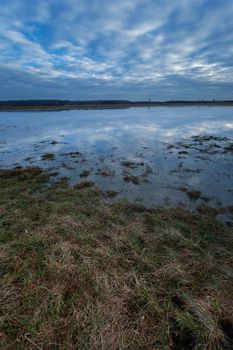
(150, 155)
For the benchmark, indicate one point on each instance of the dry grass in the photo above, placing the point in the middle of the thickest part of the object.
(80, 274)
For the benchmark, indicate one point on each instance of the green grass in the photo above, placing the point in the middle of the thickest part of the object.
(85, 173)
(77, 273)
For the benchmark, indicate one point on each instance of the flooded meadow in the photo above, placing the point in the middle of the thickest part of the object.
(166, 156)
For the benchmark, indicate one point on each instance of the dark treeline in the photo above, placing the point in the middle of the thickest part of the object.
(58, 102)
(63, 104)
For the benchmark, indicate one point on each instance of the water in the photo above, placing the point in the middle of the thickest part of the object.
(154, 145)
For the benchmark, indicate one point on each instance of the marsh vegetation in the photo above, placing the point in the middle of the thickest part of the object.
(78, 272)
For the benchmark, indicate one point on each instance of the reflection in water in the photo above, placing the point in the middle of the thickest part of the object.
(145, 154)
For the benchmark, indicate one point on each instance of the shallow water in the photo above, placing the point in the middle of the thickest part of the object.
(155, 145)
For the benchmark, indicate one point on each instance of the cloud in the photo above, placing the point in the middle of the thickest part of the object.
(128, 49)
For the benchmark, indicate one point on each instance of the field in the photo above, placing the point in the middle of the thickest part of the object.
(80, 273)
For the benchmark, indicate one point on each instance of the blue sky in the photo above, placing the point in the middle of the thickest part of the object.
(125, 49)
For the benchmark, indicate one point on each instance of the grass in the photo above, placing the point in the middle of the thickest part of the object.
(132, 178)
(48, 156)
(84, 184)
(111, 193)
(85, 173)
(194, 194)
(77, 273)
(131, 165)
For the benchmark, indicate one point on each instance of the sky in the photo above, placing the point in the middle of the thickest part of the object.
(124, 49)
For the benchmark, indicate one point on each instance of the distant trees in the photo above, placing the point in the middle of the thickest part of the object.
(57, 103)
(62, 104)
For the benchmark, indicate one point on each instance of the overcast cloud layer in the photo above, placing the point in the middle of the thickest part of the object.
(125, 49)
